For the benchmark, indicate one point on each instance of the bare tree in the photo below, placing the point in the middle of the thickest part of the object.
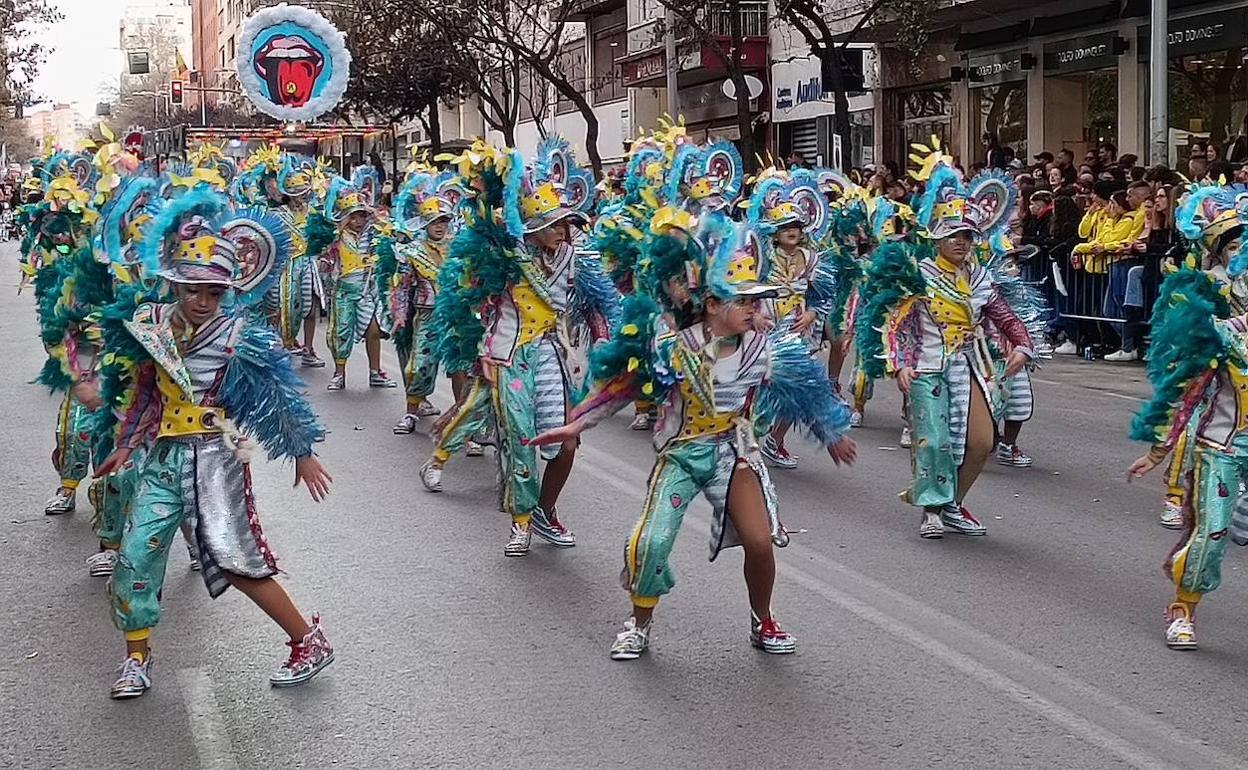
(403, 66)
(720, 26)
(530, 33)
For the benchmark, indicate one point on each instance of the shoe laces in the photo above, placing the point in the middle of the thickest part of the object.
(769, 629)
(552, 519)
(299, 654)
(131, 671)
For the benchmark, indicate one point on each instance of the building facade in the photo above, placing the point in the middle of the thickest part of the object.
(1050, 75)
(62, 125)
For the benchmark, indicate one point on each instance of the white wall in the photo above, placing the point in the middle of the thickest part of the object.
(613, 129)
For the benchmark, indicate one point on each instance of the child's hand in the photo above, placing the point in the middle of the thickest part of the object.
(1141, 467)
(114, 462)
(310, 471)
(557, 435)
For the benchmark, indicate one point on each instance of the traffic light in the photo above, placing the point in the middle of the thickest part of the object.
(175, 91)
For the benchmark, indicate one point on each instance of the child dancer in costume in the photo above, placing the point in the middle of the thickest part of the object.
(300, 293)
(59, 238)
(354, 312)
(788, 208)
(524, 280)
(1019, 398)
(722, 384)
(1215, 233)
(211, 374)
(927, 324)
(1198, 366)
(407, 273)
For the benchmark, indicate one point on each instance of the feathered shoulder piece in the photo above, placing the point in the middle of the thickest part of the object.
(267, 398)
(893, 277)
(1186, 346)
(626, 360)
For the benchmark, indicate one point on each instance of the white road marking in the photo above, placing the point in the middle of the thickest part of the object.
(1096, 717)
(207, 728)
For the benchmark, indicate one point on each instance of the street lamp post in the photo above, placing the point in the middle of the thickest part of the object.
(1158, 73)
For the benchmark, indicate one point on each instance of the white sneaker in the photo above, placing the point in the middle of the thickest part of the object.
(767, 636)
(518, 543)
(406, 425)
(1172, 515)
(102, 563)
(431, 476)
(1010, 454)
(1123, 356)
(62, 502)
(631, 642)
(1181, 630)
(1067, 348)
(855, 419)
(907, 438)
(427, 409)
(640, 422)
(931, 527)
(959, 520)
(473, 449)
(133, 678)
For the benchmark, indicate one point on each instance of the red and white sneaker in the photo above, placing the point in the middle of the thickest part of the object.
(308, 657)
(767, 636)
(958, 519)
(380, 379)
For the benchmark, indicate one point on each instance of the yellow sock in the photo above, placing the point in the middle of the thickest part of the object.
(69, 484)
(138, 635)
(440, 456)
(1187, 597)
(522, 520)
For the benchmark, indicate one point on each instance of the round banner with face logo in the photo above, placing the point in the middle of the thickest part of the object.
(292, 63)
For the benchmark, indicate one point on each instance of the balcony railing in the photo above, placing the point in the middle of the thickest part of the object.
(753, 20)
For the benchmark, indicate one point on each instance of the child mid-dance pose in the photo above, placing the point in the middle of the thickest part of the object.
(209, 375)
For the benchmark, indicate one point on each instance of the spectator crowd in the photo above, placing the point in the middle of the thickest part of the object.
(1102, 225)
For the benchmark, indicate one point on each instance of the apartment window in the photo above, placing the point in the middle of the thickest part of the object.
(572, 66)
(534, 96)
(608, 74)
(233, 53)
(222, 57)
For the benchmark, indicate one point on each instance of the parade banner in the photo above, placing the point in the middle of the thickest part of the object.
(292, 63)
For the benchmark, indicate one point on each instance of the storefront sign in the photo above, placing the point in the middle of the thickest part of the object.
(995, 68)
(797, 92)
(1080, 54)
(1217, 31)
(643, 68)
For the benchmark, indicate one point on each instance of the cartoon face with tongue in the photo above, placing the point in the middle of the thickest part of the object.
(290, 67)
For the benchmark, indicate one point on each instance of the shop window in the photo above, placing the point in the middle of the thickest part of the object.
(1209, 102)
(1002, 111)
(608, 75)
(1081, 110)
(920, 115)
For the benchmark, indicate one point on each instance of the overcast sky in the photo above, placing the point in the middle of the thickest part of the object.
(87, 58)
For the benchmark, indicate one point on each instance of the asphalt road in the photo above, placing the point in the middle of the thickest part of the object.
(1037, 646)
